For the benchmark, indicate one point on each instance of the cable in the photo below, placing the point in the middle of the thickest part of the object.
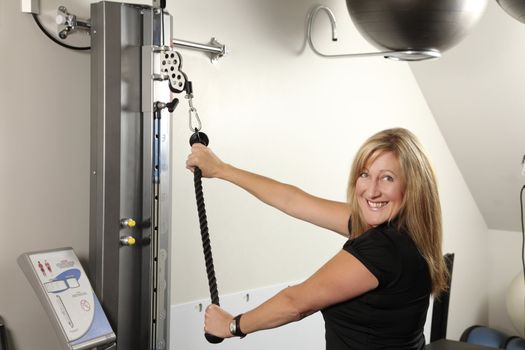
(81, 48)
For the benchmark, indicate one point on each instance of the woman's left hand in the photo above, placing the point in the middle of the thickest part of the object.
(217, 321)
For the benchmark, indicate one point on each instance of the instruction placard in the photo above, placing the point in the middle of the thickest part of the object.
(65, 292)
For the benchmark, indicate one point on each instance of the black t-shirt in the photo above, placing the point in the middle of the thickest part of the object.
(393, 315)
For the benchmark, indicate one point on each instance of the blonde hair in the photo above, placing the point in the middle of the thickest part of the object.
(420, 213)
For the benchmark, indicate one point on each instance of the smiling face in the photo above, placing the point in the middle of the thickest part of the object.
(380, 189)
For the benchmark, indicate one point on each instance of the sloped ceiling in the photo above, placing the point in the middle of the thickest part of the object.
(476, 92)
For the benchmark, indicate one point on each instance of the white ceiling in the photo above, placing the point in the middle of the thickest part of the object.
(476, 92)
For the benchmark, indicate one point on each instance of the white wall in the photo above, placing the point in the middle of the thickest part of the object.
(269, 106)
(44, 163)
(505, 263)
(478, 86)
(273, 108)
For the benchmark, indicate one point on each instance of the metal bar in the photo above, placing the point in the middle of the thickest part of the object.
(215, 48)
(400, 55)
(148, 328)
(157, 177)
(164, 206)
(218, 49)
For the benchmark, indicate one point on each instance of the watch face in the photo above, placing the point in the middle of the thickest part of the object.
(233, 327)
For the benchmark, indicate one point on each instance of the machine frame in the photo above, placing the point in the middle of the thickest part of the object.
(130, 173)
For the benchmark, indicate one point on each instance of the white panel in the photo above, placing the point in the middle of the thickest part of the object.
(30, 6)
(187, 323)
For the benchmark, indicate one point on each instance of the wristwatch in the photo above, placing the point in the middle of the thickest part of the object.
(235, 328)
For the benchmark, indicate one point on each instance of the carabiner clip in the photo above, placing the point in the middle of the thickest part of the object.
(193, 114)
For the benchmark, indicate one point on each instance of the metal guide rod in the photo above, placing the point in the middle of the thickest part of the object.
(197, 46)
(215, 48)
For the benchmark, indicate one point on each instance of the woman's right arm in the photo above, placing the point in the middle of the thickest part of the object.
(289, 199)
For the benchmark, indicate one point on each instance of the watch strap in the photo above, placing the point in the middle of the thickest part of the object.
(238, 331)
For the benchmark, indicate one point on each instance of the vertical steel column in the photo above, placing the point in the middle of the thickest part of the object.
(131, 173)
(105, 156)
(157, 183)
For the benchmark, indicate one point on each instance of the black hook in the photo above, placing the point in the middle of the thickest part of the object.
(188, 87)
(172, 105)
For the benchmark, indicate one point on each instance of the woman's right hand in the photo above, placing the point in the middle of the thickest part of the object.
(203, 158)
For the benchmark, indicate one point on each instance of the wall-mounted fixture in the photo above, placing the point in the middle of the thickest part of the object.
(68, 23)
(409, 30)
(515, 8)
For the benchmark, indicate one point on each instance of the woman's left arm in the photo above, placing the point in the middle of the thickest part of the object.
(342, 278)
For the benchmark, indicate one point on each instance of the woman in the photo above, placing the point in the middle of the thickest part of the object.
(374, 293)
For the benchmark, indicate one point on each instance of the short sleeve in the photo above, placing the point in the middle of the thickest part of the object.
(378, 252)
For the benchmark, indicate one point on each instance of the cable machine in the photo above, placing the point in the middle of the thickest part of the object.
(135, 76)
(135, 73)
